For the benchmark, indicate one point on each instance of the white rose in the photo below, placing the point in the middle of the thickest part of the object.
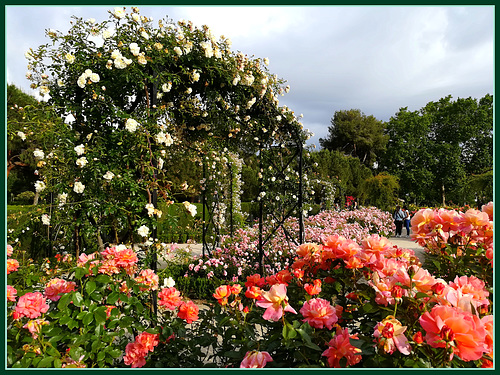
(44, 90)
(178, 51)
(116, 54)
(120, 63)
(141, 59)
(45, 219)
(166, 87)
(39, 186)
(151, 209)
(191, 208)
(69, 58)
(131, 125)
(82, 80)
(108, 33)
(94, 77)
(78, 187)
(119, 12)
(168, 282)
(21, 135)
(81, 162)
(108, 175)
(38, 154)
(143, 231)
(80, 150)
(134, 49)
(62, 199)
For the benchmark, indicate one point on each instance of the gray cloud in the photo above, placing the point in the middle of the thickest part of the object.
(376, 59)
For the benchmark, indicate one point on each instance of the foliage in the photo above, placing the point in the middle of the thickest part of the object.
(435, 150)
(380, 191)
(345, 174)
(353, 133)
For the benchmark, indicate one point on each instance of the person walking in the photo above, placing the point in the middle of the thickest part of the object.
(407, 220)
(398, 220)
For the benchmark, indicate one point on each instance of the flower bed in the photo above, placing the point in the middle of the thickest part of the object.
(238, 257)
(338, 304)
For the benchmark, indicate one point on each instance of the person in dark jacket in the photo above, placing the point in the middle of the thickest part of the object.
(398, 216)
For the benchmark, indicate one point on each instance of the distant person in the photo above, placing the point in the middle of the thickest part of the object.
(398, 220)
(407, 220)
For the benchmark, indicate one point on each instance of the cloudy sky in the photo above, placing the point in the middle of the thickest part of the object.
(376, 59)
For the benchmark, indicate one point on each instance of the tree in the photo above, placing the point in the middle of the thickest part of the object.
(433, 150)
(134, 93)
(31, 126)
(355, 134)
(346, 173)
(380, 191)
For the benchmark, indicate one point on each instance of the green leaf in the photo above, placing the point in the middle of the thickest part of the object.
(77, 299)
(96, 296)
(46, 362)
(76, 353)
(64, 301)
(421, 295)
(81, 315)
(100, 314)
(289, 332)
(90, 287)
(88, 319)
(113, 298)
(80, 273)
(104, 279)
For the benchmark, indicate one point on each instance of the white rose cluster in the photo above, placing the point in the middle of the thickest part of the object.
(45, 219)
(164, 138)
(62, 199)
(87, 77)
(120, 61)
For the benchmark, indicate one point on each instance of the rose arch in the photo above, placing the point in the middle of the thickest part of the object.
(131, 91)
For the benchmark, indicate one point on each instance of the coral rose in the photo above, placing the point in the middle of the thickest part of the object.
(188, 311)
(319, 313)
(255, 359)
(273, 302)
(31, 305)
(169, 298)
(465, 331)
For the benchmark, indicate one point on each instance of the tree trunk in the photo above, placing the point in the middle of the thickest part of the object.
(443, 195)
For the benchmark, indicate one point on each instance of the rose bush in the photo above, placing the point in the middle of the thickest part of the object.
(339, 304)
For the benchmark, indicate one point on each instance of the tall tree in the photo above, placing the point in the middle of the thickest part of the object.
(355, 134)
(433, 150)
